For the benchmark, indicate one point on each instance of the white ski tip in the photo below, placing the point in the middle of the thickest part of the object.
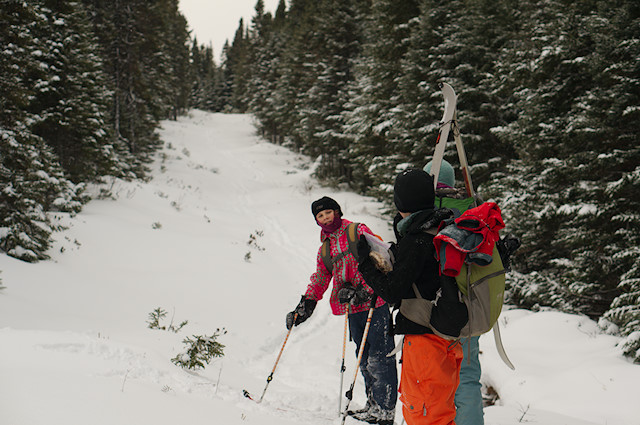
(448, 93)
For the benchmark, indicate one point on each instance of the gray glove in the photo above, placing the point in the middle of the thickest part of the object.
(349, 294)
(304, 309)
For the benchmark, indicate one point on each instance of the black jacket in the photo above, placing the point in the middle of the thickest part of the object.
(415, 262)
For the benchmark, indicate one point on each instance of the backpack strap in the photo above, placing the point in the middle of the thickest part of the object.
(352, 238)
(326, 256)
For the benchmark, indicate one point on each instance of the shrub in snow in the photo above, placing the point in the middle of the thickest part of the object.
(33, 186)
(253, 240)
(157, 315)
(200, 351)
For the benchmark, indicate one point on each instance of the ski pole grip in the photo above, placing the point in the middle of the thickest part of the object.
(374, 300)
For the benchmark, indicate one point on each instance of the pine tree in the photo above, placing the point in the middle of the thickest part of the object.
(615, 106)
(206, 79)
(457, 43)
(369, 115)
(32, 181)
(71, 101)
(237, 68)
(625, 308)
(336, 46)
(569, 155)
(266, 45)
(131, 55)
(295, 78)
(176, 49)
(420, 106)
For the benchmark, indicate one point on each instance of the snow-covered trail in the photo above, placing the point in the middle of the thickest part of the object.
(180, 242)
(222, 236)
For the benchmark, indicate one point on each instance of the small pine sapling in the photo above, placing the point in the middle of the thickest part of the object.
(253, 240)
(154, 318)
(157, 315)
(200, 350)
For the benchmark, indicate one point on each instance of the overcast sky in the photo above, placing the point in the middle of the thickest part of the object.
(214, 21)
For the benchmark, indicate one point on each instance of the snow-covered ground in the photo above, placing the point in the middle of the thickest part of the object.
(223, 236)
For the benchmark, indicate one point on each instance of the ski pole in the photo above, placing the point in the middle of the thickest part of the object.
(344, 346)
(360, 352)
(270, 377)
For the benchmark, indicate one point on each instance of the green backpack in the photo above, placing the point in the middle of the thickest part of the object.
(481, 289)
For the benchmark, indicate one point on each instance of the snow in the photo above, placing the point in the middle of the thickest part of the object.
(76, 348)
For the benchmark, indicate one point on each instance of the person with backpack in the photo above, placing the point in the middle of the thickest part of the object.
(468, 398)
(430, 363)
(336, 260)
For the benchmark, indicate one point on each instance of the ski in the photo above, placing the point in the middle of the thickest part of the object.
(462, 157)
(450, 123)
(450, 99)
(500, 347)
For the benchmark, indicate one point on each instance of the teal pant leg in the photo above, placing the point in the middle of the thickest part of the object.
(469, 394)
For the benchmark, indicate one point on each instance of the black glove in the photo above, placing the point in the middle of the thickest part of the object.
(304, 309)
(352, 295)
(363, 249)
(506, 247)
(449, 315)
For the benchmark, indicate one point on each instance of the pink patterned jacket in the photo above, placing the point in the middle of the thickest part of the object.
(345, 270)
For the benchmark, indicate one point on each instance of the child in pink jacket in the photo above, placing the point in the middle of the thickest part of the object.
(350, 291)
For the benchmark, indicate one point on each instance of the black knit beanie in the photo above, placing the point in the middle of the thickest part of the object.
(325, 203)
(413, 191)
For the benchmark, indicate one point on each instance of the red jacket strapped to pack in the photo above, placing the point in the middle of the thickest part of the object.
(471, 236)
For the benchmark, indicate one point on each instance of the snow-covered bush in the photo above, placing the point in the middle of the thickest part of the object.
(200, 350)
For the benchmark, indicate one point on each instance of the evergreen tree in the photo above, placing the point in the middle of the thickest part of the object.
(335, 45)
(369, 115)
(206, 79)
(569, 155)
(457, 43)
(625, 309)
(295, 78)
(237, 68)
(609, 117)
(32, 181)
(420, 106)
(132, 53)
(70, 102)
(177, 53)
(266, 45)
(224, 82)
(320, 43)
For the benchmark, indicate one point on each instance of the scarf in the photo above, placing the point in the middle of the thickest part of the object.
(331, 227)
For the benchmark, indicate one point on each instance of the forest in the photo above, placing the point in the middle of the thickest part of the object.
(548, 107)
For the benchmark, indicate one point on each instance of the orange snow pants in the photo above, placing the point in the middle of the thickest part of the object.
(429, 379)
